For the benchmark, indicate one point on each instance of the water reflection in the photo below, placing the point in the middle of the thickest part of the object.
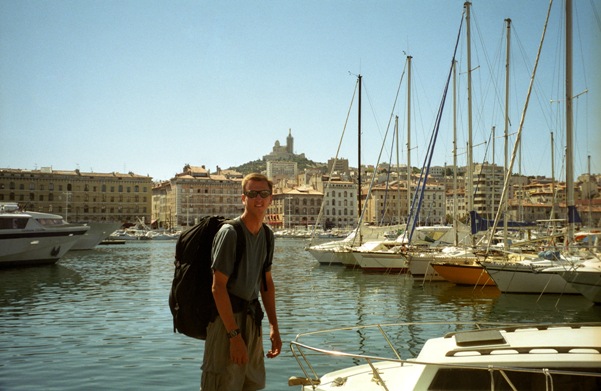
(21, 288)
(99, 319)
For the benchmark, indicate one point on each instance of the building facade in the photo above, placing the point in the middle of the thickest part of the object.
(296, 208)
(194, 193)
(79, 196)
(281, 169)
(340, 208)
(488, 180)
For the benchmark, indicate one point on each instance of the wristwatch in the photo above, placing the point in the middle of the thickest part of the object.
(233, 333)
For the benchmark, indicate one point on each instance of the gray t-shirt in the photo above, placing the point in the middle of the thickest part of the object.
(246, 283)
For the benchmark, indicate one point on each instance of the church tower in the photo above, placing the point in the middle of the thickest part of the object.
(290, 142)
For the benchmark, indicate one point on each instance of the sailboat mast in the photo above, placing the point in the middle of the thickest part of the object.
(455, 225)
(398, 168)
(569, 127)
(408, 133)
(470, 157)
(552, 177)
(359, 148)
(506, 135)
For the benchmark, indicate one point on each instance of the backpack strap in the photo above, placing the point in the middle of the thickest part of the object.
(240, 245)
(268, 239)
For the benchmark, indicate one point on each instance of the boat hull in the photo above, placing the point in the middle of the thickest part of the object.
(381, 262)
(588, 283)
(420, 266)
(518, 278)
(463, 274)
(98, 232)
(325, 256)
(36, 248)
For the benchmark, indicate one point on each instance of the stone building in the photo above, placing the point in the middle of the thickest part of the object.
(278, 170)
(340, 206)
(389, 204)
(194, 193)
(295, 208)
(79, 196)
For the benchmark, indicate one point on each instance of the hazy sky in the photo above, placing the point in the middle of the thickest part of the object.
(149, 86)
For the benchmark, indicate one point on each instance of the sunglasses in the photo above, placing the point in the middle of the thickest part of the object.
(255, 193)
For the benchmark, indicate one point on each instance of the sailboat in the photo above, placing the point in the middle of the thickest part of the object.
(458, 263)
(544, 274)
(387, 255)
(339, 252)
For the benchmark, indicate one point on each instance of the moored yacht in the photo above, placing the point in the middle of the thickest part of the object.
(99, 230)
(30, 238)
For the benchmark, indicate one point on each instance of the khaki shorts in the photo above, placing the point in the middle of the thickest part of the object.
(218, 372)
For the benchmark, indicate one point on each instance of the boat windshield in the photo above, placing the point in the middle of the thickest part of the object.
(477, 379)
(47, 222)
(13, 222)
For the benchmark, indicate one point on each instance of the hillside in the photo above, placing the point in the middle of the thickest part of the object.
(260, 165)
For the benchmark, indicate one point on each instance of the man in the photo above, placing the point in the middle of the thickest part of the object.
(233, 357)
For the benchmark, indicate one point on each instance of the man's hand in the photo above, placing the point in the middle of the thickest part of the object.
(276, 344)
(238, 350)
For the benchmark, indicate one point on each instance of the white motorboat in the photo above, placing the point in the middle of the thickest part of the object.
(99, 231)
(477, 357)
(29, 238)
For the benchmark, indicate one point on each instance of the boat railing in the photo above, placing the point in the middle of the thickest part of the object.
(304, 352)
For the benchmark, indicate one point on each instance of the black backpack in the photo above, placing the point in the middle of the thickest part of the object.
(191, 299)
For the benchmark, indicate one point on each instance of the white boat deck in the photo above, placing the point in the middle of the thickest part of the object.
(487, 356)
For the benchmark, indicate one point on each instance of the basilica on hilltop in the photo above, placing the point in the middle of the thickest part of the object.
(280, 152)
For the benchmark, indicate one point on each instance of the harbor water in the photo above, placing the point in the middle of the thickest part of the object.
(99, 319)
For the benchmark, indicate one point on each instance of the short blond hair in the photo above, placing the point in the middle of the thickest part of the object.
(255, 176)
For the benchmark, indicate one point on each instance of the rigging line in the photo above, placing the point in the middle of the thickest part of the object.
(520, 127)
(348, 114)
(383, 142)
(594, 7)
(496, 95)
(580, 40)
(385, 206)
(537, 84)
(435, 134)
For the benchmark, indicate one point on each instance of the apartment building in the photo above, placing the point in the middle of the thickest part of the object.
(281, 169)
(295, 208)
(79, 196)
(390, 205)
(195, 192)
(340, 208)
(488, 180)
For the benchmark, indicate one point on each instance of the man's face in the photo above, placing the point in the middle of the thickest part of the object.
(257, 196)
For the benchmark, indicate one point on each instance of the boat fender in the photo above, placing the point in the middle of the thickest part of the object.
(302, 381)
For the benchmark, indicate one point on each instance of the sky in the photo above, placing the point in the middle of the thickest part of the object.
(149, 86)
